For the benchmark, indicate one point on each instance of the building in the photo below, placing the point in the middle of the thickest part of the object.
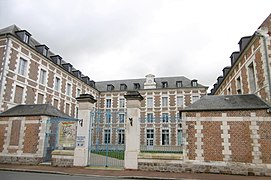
(32, 74)
(249, 72)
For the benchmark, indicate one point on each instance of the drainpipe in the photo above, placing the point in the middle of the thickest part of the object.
(3, 72)
(264, 35)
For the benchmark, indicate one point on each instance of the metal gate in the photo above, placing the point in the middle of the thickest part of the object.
(54, 129)
(107, 139)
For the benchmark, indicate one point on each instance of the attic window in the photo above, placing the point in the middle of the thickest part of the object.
(194, 83)
(23, 35)
(179, 84)
(164, 84)
(136, 86)
(123, 86)
(110, 87)
(43, 49)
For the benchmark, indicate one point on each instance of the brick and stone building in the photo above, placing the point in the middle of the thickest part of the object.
(30, 73)
(249, 72)
(27, 133)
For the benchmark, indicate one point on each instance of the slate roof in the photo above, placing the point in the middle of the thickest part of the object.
(102, 85)
(34, 110)
(228, 102)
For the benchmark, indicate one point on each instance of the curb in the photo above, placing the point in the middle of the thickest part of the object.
(87, 175)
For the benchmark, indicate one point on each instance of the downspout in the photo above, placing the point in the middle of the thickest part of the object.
(264, 35)
(3, 72)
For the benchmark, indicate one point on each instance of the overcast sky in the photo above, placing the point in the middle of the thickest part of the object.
(123, 39)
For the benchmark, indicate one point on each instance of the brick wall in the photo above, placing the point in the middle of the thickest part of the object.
(231, 136)
(31, 138)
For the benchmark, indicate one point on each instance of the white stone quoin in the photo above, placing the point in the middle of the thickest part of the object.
(132, 131)
(86, 104)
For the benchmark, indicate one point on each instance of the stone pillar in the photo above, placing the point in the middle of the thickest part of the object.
(86, 105)
(132, 130)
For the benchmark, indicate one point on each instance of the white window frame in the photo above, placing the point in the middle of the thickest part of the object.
(121, 103)
(149, 103)
(108, 106)
(104, 138)
(164, 101)
(23, 66)
(57, 83)
(68, 89)
(194, 96)
(147, 117)
(165, 119)
(168, 140)
(178, 102)
(121, 136)
(78, 92)
(121, 115)
(43, 76)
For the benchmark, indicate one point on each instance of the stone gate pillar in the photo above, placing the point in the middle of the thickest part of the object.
(86, 105)
(132, 130)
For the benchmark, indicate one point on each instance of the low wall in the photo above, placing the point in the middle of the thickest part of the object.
(62, 158)
(21, 160)
(204, 167)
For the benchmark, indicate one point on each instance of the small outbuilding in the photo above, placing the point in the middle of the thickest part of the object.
(29, 133)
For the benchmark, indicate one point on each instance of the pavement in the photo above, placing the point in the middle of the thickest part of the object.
(120, 173)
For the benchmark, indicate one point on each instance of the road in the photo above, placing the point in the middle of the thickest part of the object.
(11, 175)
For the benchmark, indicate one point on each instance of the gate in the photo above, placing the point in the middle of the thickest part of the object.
(60, 134)
(107, 139)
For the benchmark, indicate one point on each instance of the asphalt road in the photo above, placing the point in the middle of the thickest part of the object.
(10, 175)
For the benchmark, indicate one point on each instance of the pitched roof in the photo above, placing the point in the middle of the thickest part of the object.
(229, 102)
(102, 85)
(34, 110)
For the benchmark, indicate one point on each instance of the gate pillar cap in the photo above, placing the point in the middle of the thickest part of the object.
(133, 95)
(86, 98)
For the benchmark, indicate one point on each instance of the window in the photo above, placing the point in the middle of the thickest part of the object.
(110, 87)
(121, 118)
(165, 137)
(150, 137)
(44, 51)
(108, 103)
(108, 117)
(164, 84)
(149, 117)
(69, 88)
(251, 76)
(164, 117)
(107, 134)
(122, 102)
(121, 136)
(57, 84)
(26, 38)
(179, 116)
(78, 92)
(164, 101)
(149, 102)
(22, 67)
(238, 83)
(229, 91)
(136, 86)
(56, 103)
(76, 112)
(67, 108)
(179, 84)
(18, 96)
(195, 98)
(123, 86)
(194, 83)
(40, 98)
(43, 76)
(179, 137)
(179, 101)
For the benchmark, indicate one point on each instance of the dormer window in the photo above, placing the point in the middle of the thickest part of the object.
(123, 87)
(164, 84)
(110, 87)
(136, 86)
(43, 49)
(67, 66)
(194, 83)
(23, 35)
(56, 59)
(179, 84)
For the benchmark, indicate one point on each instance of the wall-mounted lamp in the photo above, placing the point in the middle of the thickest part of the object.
(80, 122)
(131, 121)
